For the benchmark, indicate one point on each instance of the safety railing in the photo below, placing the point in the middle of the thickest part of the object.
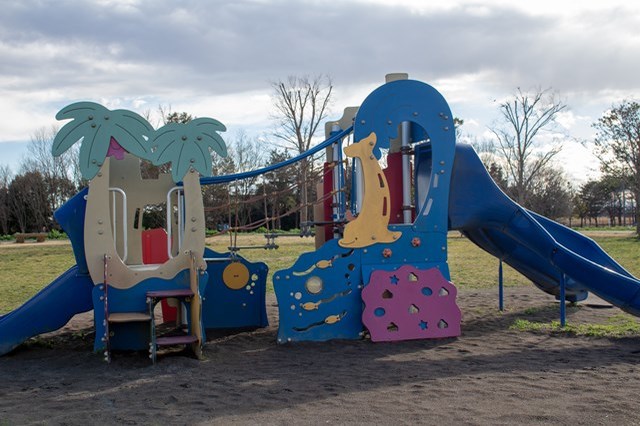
(179, 191)
(114, 220)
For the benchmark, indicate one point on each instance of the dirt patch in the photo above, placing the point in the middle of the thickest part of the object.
(489, 375)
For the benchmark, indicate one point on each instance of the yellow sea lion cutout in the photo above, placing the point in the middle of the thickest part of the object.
(371, 225)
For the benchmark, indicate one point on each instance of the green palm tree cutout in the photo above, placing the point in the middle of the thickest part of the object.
(187, 145)
(96, 125)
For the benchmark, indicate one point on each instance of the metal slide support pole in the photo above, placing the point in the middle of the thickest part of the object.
(406, 174)
(563, 301)
(500, 287)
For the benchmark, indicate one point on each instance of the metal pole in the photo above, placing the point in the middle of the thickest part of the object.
(500, 287)
(406, 174)
(358, 182)
(336, 175)
(341, 184)
(563, 300)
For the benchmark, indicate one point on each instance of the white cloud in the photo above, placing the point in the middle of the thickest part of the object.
(566, 119)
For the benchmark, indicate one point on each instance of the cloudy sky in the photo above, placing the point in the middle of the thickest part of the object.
(217, 58)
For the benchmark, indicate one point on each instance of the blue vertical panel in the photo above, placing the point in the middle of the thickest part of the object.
(224, 307)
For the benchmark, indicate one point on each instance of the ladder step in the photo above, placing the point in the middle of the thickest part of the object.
(184, 292)
(129, 317)
(176, 340)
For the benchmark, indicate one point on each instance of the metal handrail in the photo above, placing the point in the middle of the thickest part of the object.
(177, 189)
(124, 220)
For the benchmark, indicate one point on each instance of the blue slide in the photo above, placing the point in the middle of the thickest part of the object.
(539, 248)
(48, 310)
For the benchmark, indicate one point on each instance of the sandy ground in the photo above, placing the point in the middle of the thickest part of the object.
(489, 375)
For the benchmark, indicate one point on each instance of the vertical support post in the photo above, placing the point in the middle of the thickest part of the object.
(341, 184)
(107, 349)
(407, 215)
(153, 348)
(358, 187)
(114, 219)
(337, 179)
(181, 213)
(563, 300)
(500, 287)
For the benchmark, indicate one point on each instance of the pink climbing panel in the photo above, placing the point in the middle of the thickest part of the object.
(409, 303)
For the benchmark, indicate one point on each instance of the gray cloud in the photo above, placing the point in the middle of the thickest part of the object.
(190, 53)
(228, 46)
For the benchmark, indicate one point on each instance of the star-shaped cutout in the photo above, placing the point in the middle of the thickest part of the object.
(394, 280)
(423, 325)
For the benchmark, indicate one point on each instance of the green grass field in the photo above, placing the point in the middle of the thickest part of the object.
(27, 269)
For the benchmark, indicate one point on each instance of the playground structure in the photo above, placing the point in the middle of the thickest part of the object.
(383, 271)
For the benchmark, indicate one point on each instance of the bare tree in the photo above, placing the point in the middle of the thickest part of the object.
(246, 155)
(618, 146)
(523, 120)
(5, 180)
(216, 197)
(301, 105)
(57, 172)
(593, 196)
(551, 194)
(27, 198)
(279, 185)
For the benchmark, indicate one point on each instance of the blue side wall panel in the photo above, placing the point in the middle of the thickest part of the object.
(70, 216)
(338, 300)
(226, 308)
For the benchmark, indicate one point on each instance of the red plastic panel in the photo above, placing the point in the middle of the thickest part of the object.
(154, 251)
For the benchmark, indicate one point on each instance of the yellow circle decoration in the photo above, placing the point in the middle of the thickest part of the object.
(235, 275)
